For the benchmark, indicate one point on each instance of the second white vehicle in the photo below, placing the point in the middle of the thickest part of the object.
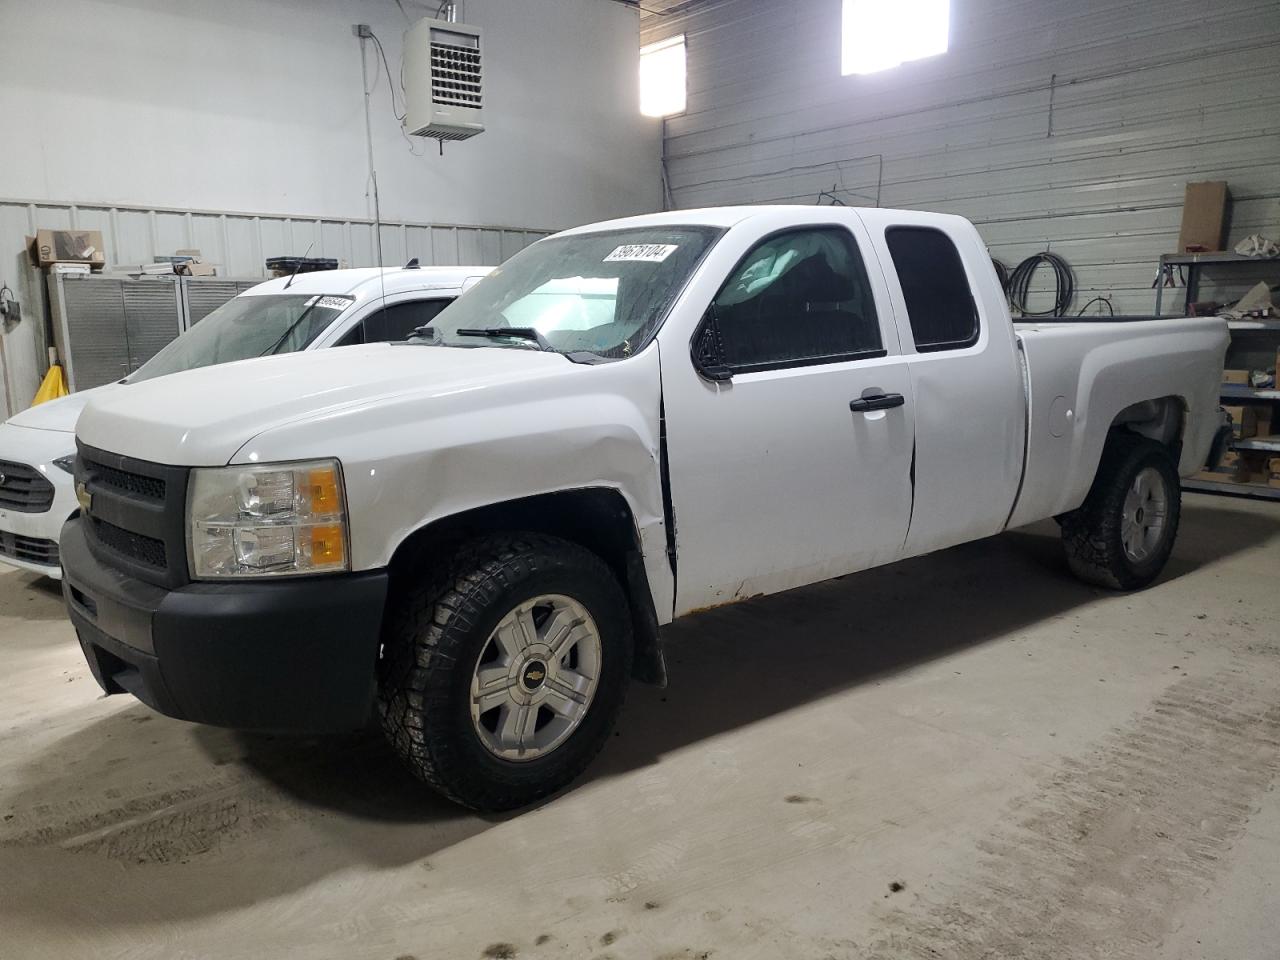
(308, 312)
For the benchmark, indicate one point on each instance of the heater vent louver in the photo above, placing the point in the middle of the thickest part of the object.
(444, 80)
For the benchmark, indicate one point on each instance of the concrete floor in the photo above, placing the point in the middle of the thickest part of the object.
(1047, 771)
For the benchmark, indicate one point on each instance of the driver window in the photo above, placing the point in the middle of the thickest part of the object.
(798, 298)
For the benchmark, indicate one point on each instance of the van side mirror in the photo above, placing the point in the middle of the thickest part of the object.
(708, 349)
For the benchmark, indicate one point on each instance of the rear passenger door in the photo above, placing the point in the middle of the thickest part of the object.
(794, 465)
(966, 378)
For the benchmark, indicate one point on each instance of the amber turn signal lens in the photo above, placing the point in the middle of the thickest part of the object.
(323, 486)
(327, 548)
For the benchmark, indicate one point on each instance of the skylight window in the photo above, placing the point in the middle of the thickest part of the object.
(662, 77)
(877, 35)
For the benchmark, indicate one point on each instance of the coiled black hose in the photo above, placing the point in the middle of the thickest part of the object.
(1020, 284)
(1002, 273)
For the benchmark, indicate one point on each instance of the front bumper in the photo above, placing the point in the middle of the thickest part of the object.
(282, 655)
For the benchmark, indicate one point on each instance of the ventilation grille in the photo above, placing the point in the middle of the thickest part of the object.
(455, 70)
(142, 549)
(131, 484)
(30, 549)
(24, 489)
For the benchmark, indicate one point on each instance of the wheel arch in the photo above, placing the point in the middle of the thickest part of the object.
(1162, 419)
(597, 518)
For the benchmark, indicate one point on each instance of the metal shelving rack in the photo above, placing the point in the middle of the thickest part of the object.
(1245, 335)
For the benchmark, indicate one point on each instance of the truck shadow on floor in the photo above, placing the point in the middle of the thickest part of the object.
(204, 820)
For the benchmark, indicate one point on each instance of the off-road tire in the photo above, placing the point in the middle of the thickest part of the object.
(1091, 534)
(435, 629)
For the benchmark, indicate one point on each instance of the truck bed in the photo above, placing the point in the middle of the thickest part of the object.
(1075, 364)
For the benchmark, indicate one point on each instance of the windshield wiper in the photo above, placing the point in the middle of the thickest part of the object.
(516, 333)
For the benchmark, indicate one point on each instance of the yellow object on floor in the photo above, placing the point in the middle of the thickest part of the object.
(53, 386)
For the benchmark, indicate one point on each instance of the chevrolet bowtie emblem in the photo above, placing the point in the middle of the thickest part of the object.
(535, 675)
(83, 495)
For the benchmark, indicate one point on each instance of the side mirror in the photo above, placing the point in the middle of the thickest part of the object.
(708, 350)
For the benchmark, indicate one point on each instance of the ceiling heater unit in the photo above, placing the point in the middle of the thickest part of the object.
(444, 84)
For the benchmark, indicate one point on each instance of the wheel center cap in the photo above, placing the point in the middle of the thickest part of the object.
(533, 675)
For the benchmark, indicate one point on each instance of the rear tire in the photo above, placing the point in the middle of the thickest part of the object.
(1123, 533)
(503, 670)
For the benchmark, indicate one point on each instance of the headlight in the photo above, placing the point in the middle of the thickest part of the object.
(267, 520)
(67, 463)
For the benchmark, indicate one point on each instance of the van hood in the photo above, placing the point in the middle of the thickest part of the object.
(202, 417)
(60, 414)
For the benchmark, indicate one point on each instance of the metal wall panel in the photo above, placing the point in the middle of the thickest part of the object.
(238, 242)
(1071, 126)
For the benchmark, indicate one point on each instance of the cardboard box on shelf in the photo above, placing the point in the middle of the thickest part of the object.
(1235, 376)
(1236, 413)
(1204, 217)
(1257, 420)
(48, 247)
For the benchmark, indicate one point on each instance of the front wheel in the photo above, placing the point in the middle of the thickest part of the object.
(1123, 533)
(503, 671)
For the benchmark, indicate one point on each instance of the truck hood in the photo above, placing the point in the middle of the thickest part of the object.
(202, 417)
(61, 414)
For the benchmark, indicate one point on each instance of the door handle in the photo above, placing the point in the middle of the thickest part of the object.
(877, 401)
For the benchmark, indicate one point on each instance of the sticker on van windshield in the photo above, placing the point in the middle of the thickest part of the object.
(644, 252)
(333, 303)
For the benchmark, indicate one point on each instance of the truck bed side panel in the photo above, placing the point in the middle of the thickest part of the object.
(1083, 375)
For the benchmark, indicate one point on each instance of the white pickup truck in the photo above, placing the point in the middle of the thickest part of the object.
(478, 534)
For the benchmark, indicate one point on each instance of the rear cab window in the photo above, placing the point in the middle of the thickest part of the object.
(939, 300)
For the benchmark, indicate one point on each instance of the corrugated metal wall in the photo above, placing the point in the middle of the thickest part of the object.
(238, 242)
(1070, 126)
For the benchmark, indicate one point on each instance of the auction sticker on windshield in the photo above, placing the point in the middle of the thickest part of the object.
(645, 252)
(330, 302)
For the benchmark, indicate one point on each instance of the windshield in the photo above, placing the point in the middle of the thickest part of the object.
(600, 293)
(244, 327)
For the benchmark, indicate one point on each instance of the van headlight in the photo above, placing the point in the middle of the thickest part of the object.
(267, 520)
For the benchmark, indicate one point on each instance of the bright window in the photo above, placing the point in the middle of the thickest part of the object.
(662, 89)
(877, 35)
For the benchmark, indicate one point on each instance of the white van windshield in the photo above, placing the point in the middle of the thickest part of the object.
(244, 327)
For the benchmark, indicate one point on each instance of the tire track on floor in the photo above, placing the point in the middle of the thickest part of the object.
(1091, 864)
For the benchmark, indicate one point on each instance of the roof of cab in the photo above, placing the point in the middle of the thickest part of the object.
(361, 281)
(725, 217)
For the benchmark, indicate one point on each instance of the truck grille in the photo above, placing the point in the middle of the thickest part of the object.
(131, 484)
(136, 546)
(30, 549)
(24, 489)
(136, 519)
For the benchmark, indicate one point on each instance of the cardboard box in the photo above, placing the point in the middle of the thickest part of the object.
(48, 247)
(195, 268)
(1204, 217)
(1250, 420)
(1235, 376)
(1236, 413)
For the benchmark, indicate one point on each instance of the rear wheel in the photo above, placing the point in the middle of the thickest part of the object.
(1123, 533)
(503, 671)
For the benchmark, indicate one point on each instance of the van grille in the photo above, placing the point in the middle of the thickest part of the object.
(24, 488)
(30, 549)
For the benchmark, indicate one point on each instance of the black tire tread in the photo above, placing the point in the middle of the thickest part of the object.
(424, 626)
(1090, 533)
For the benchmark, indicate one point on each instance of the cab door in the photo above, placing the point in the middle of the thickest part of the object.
(789, 431)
